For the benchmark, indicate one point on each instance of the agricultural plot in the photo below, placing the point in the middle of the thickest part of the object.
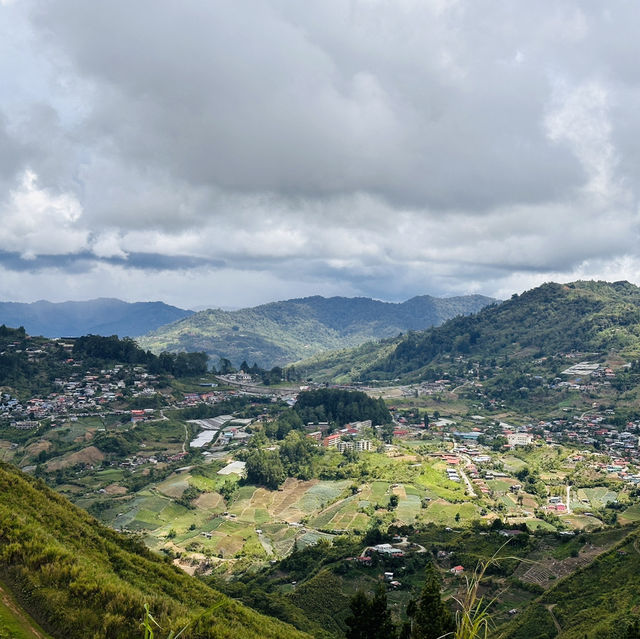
(174, 486)
(281, 536)
(500, 485)
(311, 538)
(210, 501)
(378, 492)
(242, 505)
(508, 501)
(338, 516)
(539, 524)
(599, 496)
(409, 508)
(110, 475)
(288, 503)
(630, 515)
(582, 522)
(433, 479)
(208, 484)
(513, 464)
(321, 493)
(147, 511)
(441, 512)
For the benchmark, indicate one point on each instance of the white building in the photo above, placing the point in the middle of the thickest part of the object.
(519, 439)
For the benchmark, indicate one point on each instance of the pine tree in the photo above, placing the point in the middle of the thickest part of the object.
(370, 618)
(432, 617)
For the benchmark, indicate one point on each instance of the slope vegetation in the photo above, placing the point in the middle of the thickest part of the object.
(78, 578)
(281, 332)
(599, 601)
(591, 317)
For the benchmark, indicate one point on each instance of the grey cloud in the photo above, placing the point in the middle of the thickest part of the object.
(381, 148)
(246, 98)
(85, 261)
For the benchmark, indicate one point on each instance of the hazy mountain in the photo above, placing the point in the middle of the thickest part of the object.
(552, 318)
(103, 316)
(287, 331)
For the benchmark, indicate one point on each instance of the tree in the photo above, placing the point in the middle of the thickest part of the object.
(226, 367)
(432, 618)
(387, 433)
(296, 453)
(264, 467)
(370, 618)
(393, 502)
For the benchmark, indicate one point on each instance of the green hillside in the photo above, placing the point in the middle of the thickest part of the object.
(598, 317)
(15, 623)
(600, 601)
(281, 332)
(78, 578)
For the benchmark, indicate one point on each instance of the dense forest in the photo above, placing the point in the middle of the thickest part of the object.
(127, 351)
(341, 407)
(24, 365)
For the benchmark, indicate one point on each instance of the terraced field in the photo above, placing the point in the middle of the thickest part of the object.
(630, 515)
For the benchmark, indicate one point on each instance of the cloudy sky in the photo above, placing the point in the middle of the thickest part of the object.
(233, 152)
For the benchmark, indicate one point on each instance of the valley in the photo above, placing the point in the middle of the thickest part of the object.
(286, 493)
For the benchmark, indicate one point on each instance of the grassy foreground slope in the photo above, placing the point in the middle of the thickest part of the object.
(15, 623)
(600, 601)
(581, 316)
(282, 332)
(78, 578)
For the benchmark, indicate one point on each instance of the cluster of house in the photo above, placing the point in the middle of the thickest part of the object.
(140, 460)
(347, 438)
(585, 377)
(80, 394)
(387, 550)
(617, 449)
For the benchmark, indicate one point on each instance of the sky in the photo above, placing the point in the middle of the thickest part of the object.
(235, 152)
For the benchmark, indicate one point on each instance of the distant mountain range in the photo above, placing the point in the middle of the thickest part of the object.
(103, 316)
(287, 331)
(582, 316)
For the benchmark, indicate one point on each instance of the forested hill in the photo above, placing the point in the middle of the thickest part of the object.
(102, 316)
(553, 318)
(79, 579)
(282, 332)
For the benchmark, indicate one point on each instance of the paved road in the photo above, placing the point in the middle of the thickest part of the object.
(467, 462)
(470, 490)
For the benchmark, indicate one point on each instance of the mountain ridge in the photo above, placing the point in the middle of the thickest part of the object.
(280, 332)
(576, 316)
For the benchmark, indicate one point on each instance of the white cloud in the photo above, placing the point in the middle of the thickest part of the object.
(38, 222)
